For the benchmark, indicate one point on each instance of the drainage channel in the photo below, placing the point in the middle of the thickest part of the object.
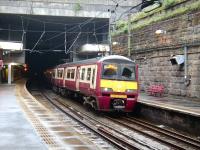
(56, 129)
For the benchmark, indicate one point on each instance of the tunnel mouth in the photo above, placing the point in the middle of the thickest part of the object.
(50, 40)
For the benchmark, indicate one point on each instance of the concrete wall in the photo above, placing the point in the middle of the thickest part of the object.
(80, 8)
(14, 57)
(153, 52)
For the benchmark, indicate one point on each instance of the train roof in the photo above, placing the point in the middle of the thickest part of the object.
(95, 60)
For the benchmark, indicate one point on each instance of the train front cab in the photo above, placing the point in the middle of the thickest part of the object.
(118, 85)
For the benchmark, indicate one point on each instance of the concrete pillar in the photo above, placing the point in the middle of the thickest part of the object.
(9, 73)
(12, 73)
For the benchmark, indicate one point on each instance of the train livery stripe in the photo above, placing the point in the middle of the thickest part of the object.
(119, 86)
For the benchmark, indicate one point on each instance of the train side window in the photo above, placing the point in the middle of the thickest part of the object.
(61, 73)
(88, 74)
(83, 74)
(93, 75)
(58, 74)
(68, 73)
(53, 74)
(72, 73)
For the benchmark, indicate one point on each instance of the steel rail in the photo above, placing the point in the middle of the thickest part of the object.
(130, 126)
(107, 135)
(175, 135)
(103, 124)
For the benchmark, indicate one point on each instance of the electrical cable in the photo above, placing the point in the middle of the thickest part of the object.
(84, 23)
(133, 7)
(66, 52)
(38, 39)
(23, 30)
(65, 40)
(96, 38)
(80, 25)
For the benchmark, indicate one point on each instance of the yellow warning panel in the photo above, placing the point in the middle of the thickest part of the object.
(119, 86)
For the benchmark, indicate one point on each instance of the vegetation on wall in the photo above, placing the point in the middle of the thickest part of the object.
(77, 7)
(143, 19)
(170, 3)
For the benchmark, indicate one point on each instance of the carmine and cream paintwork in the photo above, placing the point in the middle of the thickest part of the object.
(89, 89)
(69, 82)
(58, 81)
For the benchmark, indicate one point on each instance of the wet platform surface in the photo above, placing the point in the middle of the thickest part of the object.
(182, 105)
(15, 131)
(27, 123)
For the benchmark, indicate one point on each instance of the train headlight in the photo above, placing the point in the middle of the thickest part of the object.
(130, 90)
(105, 89)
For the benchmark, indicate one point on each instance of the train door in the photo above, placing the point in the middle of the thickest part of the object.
(93, 77)
(60, 76)
(77, 78)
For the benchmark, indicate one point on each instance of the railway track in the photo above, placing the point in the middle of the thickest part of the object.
(172, 134)
(116, 138)
(122, 140)
(165, 136)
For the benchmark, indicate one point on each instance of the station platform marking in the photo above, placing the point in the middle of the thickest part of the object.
(54, 129)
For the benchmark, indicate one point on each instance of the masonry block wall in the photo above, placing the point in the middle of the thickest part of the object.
(153, 52)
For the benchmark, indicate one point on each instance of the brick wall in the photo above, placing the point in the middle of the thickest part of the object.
(153, 52)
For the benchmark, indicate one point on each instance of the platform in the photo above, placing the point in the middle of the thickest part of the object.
(16, 131)
(178, 104)
(30, 123)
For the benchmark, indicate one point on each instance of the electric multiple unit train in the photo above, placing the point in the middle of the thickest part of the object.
(107, 84)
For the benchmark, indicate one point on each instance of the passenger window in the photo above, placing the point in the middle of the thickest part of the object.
(93, 75)
(72, 73)
(61, 73)
(58, 73)
(83, 74)
(88, 74)
(68, 73)
(53, 74)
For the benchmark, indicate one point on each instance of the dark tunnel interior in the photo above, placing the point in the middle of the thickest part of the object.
(46, 39)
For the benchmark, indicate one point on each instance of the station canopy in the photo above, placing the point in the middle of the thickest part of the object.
(9, 45)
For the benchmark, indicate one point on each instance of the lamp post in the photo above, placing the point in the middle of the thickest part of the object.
(109, 34)
(129, 35)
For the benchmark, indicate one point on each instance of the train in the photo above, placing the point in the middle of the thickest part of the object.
(107, 83)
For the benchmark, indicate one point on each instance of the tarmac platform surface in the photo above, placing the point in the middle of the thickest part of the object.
(180, 104)
(34, 124)
(15, 131)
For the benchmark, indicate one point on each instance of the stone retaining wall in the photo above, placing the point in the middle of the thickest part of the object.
(153, 52)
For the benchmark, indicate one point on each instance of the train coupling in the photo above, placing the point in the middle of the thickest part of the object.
(118, 104)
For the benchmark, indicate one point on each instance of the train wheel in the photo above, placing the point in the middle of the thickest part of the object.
(62, 92)
(55, 89)
(94, 105)
(68, 93)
